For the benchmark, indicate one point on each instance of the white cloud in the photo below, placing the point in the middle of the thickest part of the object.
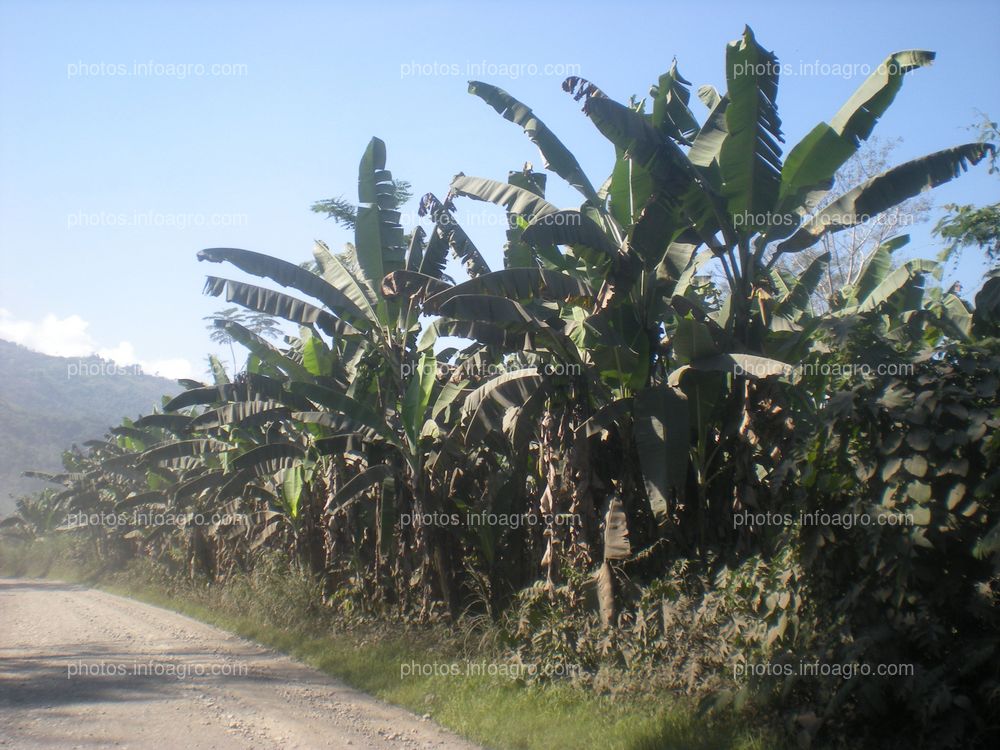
(60, 338)
(124, 354)
(68, 337)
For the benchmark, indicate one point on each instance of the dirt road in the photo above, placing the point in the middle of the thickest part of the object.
(84, 669)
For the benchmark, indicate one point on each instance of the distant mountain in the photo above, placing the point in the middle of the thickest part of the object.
(49, 403)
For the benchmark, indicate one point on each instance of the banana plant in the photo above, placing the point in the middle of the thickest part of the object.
(356, 360)
(629, 368)
(35, 517)
(685, 196)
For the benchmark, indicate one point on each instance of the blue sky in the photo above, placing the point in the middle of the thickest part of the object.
(113, 175)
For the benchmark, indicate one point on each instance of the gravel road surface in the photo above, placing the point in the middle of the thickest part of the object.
(84, 669)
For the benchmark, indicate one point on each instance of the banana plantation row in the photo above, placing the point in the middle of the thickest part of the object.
(644, 372)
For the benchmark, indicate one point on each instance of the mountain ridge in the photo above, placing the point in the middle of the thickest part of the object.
(48, 404)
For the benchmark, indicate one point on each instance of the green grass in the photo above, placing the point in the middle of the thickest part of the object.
(496, 711)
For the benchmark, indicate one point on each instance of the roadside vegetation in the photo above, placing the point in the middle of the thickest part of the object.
(651, 458)
(459, 677)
